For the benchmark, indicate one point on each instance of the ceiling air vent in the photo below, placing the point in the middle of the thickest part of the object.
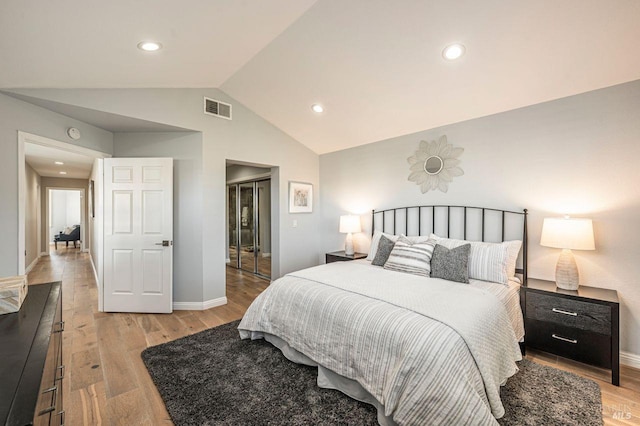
(217, 108)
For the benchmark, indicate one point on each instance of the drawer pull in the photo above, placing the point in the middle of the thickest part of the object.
(52, 389)
(564, 339)
(560, 311)
(61, 369)
(46, 410)
(61, 329)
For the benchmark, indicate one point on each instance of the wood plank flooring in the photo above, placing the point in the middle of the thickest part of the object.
(106, 382)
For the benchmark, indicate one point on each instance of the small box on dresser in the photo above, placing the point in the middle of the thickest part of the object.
(582, 325)
(13, 291)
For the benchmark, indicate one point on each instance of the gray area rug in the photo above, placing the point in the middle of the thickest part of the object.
(214, 378)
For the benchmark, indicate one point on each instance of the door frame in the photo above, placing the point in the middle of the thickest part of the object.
(23, 138)
(83, 219)
(254, 180)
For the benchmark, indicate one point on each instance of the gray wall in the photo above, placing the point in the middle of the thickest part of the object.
(186, 150)
(32, 183)
(575, 156)
(247, 138)
(16, 115)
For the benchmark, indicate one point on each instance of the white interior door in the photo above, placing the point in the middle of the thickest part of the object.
(138, 235)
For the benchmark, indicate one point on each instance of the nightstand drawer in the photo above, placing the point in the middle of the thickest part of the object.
(580, 345)
(571, 313)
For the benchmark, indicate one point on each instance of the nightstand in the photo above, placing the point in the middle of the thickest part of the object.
(582, 325)
(339, 256)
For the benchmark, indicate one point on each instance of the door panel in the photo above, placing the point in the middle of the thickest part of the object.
(247, 252)
(233, 225)
(264, 227)
(138, 207)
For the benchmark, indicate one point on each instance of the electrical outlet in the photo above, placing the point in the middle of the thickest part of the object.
(295, 223)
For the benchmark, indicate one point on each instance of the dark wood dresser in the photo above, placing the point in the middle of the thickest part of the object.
(31, 354)
(582, 325)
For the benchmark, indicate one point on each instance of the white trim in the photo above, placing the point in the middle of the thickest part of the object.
(43, 253)
(95, 273)
(32, 265)
(199, 306)
(629, 359)
(22, 208)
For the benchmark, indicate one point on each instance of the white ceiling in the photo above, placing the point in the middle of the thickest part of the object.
(93, 44)
(376, 65)
(42, 159)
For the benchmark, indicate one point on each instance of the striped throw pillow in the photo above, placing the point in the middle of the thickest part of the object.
(495, 262)
(411, 258)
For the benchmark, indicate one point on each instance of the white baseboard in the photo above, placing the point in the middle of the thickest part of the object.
(199, 306)
(31, 265)
(95, 272)
(44, 253)
(266, 254)
(227, 260)
(629, 359)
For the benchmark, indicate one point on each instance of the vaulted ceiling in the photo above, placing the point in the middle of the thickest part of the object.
(376, 66)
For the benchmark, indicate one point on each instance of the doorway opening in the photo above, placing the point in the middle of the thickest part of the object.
(65, 218)
(250, 226)
(249, 243)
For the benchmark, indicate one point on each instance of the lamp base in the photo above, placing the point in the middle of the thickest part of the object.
(567, 276)
(348, 245)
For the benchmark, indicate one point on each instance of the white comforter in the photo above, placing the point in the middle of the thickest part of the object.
(430, 351)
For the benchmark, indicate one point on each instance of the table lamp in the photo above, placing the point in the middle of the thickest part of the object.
(349, 224)
(567, 234)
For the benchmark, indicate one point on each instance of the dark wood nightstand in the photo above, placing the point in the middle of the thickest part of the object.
(582, 325)
(339, 256)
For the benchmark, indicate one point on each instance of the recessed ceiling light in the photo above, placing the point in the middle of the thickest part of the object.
(149, 46)
(63, 173)
(317, 108)
(453, 51)
(59, 163)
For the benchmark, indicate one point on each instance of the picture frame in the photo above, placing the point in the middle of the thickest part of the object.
(300, 197)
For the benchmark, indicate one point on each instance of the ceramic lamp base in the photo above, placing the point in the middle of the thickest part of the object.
(567, 276)
(348, 245)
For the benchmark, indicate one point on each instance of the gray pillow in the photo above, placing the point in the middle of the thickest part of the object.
(385, 246)
(451, 264)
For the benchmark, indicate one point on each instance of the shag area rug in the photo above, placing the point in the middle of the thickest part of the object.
(214, 378)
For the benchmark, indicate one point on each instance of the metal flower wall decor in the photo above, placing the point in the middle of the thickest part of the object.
(435, 164)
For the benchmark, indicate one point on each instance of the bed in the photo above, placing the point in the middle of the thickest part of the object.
(421, 350)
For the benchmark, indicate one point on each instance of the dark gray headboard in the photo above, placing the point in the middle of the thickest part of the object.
(461, 222)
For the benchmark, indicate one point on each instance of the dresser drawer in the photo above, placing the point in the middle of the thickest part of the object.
(580, 345)
(571, 313)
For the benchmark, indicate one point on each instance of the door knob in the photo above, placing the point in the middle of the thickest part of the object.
(164, 243)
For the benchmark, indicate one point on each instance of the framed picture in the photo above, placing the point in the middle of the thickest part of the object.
(300, 197)
(92, 199)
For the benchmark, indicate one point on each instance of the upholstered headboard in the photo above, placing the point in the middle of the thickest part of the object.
(461, 222)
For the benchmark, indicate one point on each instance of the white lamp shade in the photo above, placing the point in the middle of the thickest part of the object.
(573, 234)
(349, 223)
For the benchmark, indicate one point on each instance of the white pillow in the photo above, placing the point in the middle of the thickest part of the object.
(495, 262)
(375, 240)
(411, 258)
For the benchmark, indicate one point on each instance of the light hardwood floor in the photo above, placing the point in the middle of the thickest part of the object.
(106, 382)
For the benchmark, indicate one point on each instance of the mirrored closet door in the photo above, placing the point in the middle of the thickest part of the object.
(250, 226)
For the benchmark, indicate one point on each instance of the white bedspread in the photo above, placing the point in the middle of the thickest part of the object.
(430, 351)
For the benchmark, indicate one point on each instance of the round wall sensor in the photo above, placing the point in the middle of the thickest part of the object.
(73, 133)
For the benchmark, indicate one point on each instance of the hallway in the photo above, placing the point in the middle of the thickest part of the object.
(105, 380)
